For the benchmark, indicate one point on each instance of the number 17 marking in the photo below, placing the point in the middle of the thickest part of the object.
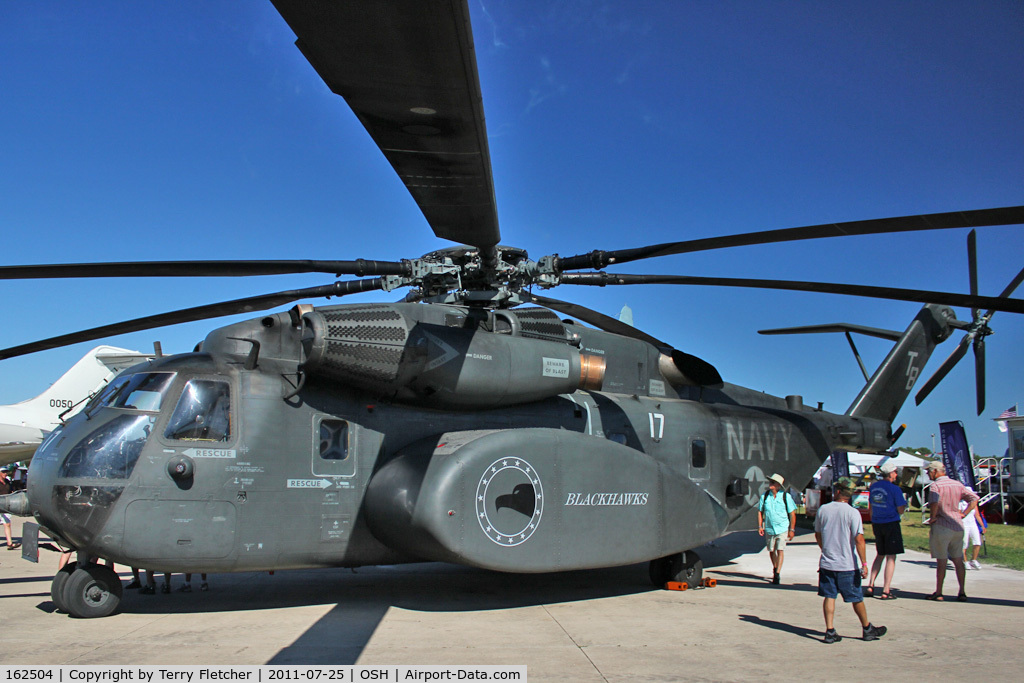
(660, 419)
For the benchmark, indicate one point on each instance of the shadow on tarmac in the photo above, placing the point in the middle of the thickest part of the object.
(440, 587)
(780, 626)
(361, 598)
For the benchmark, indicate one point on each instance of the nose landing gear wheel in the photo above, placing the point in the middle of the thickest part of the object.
(60, 579)
(682, 567)
(92, 591)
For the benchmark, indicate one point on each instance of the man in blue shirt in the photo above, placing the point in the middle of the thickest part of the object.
(776, 521)
(886, 504)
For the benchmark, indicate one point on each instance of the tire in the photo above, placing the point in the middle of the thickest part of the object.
(92, 591)
(682, 567)
(60, 579)
(691, 569)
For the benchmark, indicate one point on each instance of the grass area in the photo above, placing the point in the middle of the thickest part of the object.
(1004, 544)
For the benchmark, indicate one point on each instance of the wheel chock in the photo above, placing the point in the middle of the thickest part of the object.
(710, 583)
(676, 586)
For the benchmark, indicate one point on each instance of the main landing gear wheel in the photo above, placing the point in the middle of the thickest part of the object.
(685, 567)
(92, 591)
(60, 580)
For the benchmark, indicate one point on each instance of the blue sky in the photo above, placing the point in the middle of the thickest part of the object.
(196, 130)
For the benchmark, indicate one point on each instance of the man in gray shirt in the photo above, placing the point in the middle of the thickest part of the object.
(840, 535)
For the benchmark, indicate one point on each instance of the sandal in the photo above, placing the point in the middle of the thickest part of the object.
(962, 597)
(886, 596)
(935, 596)
(870, 591)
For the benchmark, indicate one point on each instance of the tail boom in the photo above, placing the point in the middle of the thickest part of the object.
(884, 394)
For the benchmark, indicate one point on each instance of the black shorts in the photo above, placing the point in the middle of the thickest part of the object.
(888, 538)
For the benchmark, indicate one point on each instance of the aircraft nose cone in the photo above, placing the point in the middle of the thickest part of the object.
(16, 504)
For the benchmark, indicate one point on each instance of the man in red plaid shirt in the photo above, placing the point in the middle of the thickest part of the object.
(946, 535)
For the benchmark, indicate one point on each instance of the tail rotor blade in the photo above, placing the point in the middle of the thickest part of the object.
(972, 266)
(979, 371)
(959, 352)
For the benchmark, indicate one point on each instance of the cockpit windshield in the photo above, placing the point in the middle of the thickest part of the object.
(141, 391)
(111, 451)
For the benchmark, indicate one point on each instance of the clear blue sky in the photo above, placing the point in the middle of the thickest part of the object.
(195, 130)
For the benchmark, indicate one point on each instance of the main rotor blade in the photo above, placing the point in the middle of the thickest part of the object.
(959, 352)
(1010, 215)
(693, 368)
(247, 305)
(895, 293)
(359, 267)
(598, 320)
(408, 71)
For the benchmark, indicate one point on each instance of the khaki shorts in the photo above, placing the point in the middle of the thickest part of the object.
(775, 543)
(945, 542)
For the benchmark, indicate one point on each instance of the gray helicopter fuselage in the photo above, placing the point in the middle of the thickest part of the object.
(242, 457)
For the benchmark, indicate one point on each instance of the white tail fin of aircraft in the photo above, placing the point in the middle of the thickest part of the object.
(24, 425)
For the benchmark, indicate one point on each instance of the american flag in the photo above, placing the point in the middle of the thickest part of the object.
(1009, 412)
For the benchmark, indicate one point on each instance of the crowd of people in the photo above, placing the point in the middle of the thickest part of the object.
(955, 524)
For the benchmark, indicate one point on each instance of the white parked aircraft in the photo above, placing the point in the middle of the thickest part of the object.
(23, 426)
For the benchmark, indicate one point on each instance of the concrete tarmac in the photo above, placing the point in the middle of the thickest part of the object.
(599, 625)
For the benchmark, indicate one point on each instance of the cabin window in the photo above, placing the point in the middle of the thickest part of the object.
(698, 454)
(111, 451)
(333, 439)
(203, 412)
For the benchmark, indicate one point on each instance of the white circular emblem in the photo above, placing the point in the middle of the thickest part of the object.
(758, 483)
(509, 501)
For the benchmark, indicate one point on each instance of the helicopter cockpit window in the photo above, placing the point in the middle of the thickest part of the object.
(203, 412)
(141, 391)
(103, 398)
(334, 439)
(111, 451)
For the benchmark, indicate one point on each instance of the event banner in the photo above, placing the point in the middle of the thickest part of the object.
(840, 465)
(955, 454)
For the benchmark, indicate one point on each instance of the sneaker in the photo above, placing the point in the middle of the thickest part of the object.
(165, 588)
(204, 587)
(976, 564)
(133, 585)
(874, 632)
(185, 588)
(832, 637)
(147, 590)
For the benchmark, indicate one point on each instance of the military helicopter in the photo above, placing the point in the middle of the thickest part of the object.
(469, 423)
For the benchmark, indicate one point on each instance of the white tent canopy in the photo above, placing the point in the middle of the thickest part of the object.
(902, 459)
(860, 462)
